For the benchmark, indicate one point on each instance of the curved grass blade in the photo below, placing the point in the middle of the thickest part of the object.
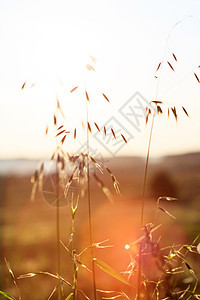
(166, 212)
(167, 198)
(70, 296)
(7, 296)
(106, 268)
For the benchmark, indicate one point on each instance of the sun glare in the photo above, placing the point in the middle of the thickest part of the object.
(127, 247)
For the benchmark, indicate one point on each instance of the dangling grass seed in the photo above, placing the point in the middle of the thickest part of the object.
(87, 97)
(23, 85)
(60, 132)
(35, 177)
(159, 109)
(171, 66)
(62, 163)
(69, 181)
(54, 119)
(83, 125)
(106, 97)
(173, 109)
(63, 139)
(60, 109)
(34, 181)
(96, 164)
(89, 67)
(97, 126)
(174, 56)
(158, 67)
(58, 159)
(41, 174)
(147, 118)
(89, 127)
(185, 111)
(189, 268)
(93, 59)
(115, 182)
(113, 133)
(124, 138)
(196, 77)
(72, 90)
(148, 112)
(53, 156)
(104, 189)
(47, 130)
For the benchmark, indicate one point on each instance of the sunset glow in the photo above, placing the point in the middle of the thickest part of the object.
(48, 45)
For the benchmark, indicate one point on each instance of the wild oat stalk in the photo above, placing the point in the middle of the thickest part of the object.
(89, 196)
(58, 231)
(73, 212)
(160, 66)
(58, 210)
(57, 189)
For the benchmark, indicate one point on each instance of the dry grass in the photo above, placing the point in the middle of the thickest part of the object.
(139, 266)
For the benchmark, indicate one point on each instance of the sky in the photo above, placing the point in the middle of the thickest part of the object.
(48, 44)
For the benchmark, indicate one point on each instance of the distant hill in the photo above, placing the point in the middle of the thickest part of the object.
(177, 163)
(188, 161)
(179, 172)
(18, 166)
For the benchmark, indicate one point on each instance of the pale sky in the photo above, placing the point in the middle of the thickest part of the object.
(48, 44)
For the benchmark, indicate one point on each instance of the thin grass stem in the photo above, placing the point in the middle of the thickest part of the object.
(89, 203)
(89, 195)
(58, 232)
(147, 160)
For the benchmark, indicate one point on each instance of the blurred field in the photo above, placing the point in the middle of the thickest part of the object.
(28, 235)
